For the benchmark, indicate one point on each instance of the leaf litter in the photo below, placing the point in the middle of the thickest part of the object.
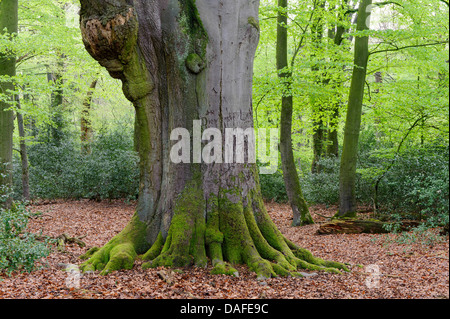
(378, 271)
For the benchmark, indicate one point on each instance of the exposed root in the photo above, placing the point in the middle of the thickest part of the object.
(120, 253)
(236, 232)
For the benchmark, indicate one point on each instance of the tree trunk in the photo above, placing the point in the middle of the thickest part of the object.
(183, 61)
(56, 104)
(291, 180)
(85, 122)
(23, 154)
(347, 178)
(332, 134)
(8, 23)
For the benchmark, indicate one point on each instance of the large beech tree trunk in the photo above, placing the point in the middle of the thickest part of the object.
(181, 61)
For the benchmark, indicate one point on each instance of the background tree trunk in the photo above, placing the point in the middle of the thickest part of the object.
(8, 22)
(183, 61)
(347, 178)
(291, 180)
(56, 101)
(85, 121)
(23, 153)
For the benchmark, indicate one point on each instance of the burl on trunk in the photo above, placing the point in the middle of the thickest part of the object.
(182, 61)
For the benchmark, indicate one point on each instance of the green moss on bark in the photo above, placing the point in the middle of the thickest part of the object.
(195, 63)
(155, 250)
(233, 231)
(185, 243)
(253, 22)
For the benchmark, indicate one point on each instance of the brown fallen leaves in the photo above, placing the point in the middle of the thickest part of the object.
(378, 270)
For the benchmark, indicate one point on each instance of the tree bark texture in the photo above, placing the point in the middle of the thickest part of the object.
(347, 178)
(8, 22)
(85, 120)
(301, 215)
(56, 102)
(181, 61)
(23, 153)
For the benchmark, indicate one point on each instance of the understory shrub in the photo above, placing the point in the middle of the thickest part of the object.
(416, 185)
(323, 187)
(110, 171)
(272, 187)
(19, 250)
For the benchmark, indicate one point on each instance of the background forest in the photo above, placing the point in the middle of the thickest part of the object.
(74, 128)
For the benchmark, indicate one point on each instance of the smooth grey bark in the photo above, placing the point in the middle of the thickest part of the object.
(347, 177)
(8, 23)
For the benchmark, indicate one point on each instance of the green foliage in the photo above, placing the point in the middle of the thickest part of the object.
(5, 192)
(109, 171)
(272, 187)
(418, 183)
(19, 250)
(414, 87)
(424, 235)
(323, 187)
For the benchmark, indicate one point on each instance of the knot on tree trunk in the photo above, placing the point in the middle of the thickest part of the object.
(110, 38)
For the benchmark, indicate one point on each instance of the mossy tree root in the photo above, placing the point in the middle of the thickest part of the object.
(119, 253)
(234, 231)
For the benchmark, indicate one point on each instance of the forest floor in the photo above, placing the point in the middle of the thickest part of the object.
(418, 270)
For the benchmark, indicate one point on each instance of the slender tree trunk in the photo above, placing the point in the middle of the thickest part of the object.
(23, 153)
(8, 23)
(187, 65)
(291, 180)
(332, 134)
(86, 123)
(57, 99)
(31, 122)
(319, 137)
(347, 178)
(325, 139)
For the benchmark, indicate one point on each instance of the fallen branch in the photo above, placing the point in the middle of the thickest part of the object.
(381, 275)
(357, 226)
(64, 239)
